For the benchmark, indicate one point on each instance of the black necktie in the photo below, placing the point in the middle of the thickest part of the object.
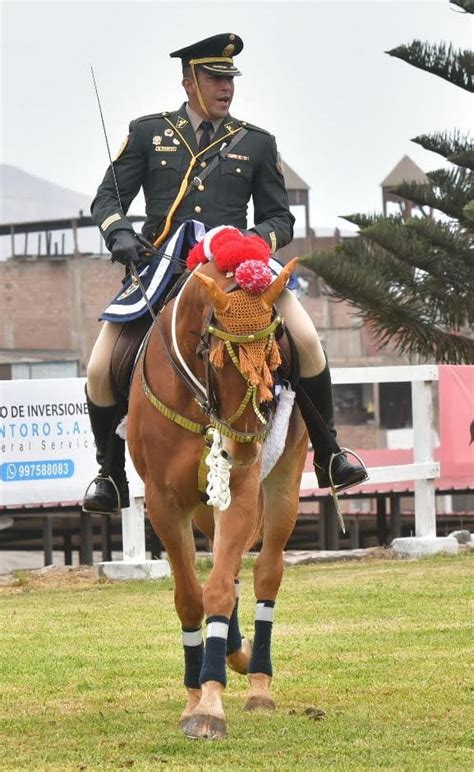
(206, 129)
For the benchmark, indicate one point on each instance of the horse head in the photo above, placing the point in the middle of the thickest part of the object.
(241, 353)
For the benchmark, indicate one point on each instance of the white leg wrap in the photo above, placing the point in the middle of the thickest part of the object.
(193, 638)
(264, 613)
(217, 630)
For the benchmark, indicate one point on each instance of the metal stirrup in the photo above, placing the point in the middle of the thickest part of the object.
(336, 488)
(93, 482)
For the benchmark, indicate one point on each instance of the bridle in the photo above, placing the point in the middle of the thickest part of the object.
(204, 391)
(250, 397)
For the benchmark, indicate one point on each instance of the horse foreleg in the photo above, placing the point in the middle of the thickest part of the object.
(233, 530)
(238, 649)
(268, 572)
(281, 510)
(175, 532)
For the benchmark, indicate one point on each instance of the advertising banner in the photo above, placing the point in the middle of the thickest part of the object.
(47, 451)
(456, 397)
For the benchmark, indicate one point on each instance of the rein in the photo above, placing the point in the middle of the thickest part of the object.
(204, 393)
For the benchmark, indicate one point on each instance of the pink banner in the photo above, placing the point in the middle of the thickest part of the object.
(456, 398)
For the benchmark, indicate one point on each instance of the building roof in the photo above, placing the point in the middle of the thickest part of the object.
(65, 223)
(292, 180)
(406, 170)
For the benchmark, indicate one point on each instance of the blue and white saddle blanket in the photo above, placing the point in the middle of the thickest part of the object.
(156, 276)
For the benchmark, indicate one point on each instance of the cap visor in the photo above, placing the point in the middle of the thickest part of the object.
(221, 69)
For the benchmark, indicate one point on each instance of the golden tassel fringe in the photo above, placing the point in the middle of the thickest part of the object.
(217, 354)
(275, 357)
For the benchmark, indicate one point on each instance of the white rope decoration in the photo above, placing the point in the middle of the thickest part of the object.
(218, 477)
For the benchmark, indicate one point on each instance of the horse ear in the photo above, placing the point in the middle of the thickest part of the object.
(220, 300)
(276, 287)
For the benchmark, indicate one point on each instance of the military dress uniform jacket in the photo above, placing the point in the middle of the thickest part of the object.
(161, 156)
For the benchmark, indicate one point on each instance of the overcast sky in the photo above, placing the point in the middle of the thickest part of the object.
(314, 74)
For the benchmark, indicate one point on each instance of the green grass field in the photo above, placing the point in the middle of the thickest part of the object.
(90, 673)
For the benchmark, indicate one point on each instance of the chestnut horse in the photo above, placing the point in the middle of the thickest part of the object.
(190, 377)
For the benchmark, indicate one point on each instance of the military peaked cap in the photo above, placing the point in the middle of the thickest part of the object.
(213, 54)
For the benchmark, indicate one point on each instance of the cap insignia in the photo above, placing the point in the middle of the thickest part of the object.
(228, 50)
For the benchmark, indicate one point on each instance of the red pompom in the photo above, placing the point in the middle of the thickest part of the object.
(195, 256)
(253, 276)
(255, 248)
(228, 253)
(219, 235)
(231, 250)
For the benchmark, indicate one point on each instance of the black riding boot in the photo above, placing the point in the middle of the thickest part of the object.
(110, 454)
(314, 398)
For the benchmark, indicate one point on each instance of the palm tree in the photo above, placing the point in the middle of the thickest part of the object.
(411, 278)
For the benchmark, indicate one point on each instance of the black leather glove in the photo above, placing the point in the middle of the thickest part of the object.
(125, 248)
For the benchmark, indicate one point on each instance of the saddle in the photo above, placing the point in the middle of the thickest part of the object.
(124, 354)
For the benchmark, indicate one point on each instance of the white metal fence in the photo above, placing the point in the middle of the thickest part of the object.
(424, 470)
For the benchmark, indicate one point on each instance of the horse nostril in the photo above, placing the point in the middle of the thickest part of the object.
(225, 454)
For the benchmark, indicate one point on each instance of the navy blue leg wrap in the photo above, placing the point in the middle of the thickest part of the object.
(234, 638)
(193, 656)
(261, 660)
(213, 666)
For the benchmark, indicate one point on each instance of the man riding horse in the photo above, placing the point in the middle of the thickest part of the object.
(201, 163)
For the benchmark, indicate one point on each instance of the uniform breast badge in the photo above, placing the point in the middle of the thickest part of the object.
(157, 139)
(169, 132)
(237, 157)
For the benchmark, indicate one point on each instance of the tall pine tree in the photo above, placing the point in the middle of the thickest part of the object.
(412, 279)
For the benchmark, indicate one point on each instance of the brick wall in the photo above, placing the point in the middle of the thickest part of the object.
(54, 304)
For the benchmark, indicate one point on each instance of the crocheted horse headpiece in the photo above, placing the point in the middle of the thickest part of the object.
(246, 310)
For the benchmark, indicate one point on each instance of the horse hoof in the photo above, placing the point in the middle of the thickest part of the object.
(200, 726)
(239, 660)
(259, 702)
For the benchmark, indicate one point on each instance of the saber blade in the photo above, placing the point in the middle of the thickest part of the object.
(106, 140)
